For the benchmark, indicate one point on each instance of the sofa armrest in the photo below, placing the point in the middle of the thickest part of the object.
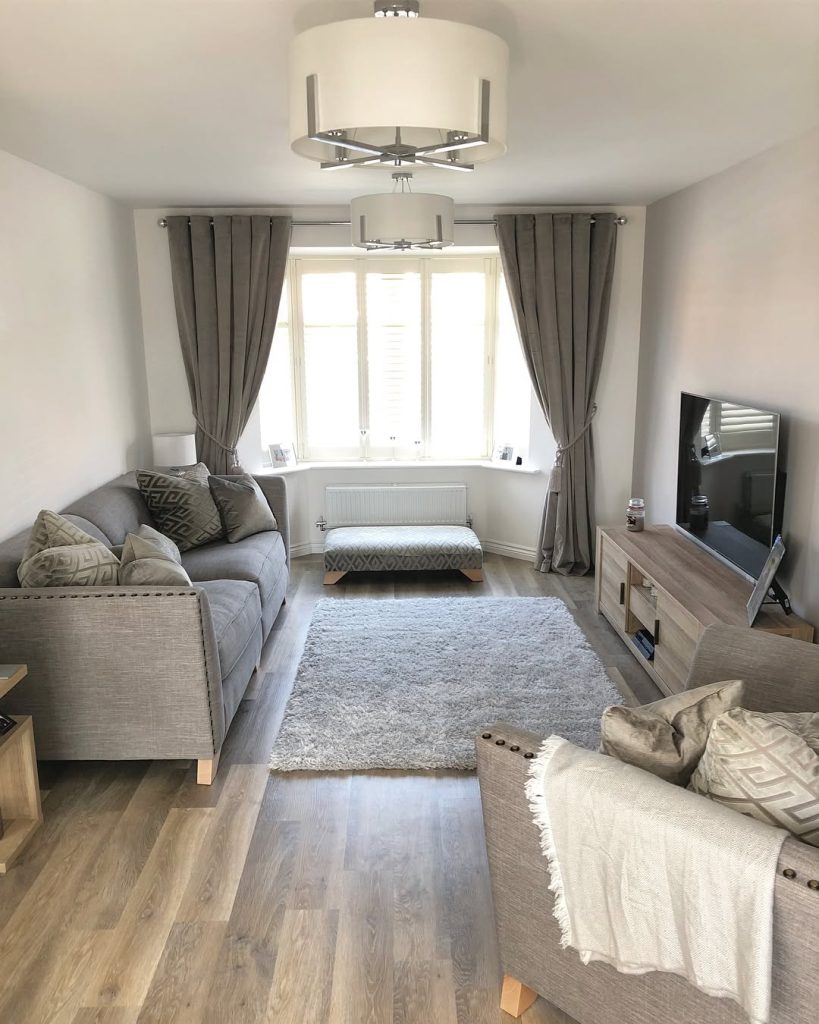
(275, 490)
(529, 939)
(780, 674)
(115, 673)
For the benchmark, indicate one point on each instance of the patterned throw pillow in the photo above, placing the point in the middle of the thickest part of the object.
(667, 738)
(760, 767)
(242, 506)
(151, 560)
(60, 554)
(182, 508)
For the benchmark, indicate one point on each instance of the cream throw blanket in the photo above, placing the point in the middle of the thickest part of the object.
(648, 876)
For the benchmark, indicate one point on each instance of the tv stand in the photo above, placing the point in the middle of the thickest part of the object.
(658, 581)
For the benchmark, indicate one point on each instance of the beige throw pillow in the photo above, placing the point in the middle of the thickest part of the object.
(150, 559)
(760, 767)
(242, 506)
(60, 554)
(667, 738)
(182, 508)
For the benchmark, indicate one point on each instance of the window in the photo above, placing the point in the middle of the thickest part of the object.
(395, 358)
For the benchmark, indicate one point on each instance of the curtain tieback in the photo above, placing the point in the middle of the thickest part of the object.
(230, 449)
(556, 477)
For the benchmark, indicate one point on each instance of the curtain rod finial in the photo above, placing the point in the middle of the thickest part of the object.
(162, 222)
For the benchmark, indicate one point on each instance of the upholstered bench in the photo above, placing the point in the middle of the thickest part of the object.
(398, 548)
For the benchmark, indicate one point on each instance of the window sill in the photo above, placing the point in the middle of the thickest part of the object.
(420, 464)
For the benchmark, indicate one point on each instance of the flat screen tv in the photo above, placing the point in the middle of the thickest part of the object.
(730, 489)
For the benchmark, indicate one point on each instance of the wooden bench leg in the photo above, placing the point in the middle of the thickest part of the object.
(516, 998)
(333, 577)
(206, 768)
(476, 575)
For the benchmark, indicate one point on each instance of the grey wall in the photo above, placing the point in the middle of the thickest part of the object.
(731, 310)
(73, 402)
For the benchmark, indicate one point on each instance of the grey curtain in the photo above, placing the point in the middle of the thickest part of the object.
(227, 282)
(558, 269)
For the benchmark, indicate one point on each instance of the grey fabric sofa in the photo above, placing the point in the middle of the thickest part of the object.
(118, 673)
(780, 675)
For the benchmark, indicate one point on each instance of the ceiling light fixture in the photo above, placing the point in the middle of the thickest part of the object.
(402, 219)
(348, 110)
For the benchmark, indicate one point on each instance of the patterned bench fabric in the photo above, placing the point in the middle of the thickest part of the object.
(393, 548)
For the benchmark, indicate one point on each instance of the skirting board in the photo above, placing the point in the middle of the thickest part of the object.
(496, 547)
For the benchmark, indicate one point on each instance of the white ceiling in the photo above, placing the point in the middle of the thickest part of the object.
(183, 102)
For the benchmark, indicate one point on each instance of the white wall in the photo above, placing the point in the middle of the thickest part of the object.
(73, 405)
(510, 504)
(731, 310)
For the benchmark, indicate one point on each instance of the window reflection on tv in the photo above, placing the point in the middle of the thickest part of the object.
(729, 484)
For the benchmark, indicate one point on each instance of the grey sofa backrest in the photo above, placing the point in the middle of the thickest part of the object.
(117, 508)
(108, 513)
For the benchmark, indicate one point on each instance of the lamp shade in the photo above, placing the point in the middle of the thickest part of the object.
(402, 220)
(174, 449)
(372, 75)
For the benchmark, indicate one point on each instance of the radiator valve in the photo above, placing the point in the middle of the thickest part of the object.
(321, 523)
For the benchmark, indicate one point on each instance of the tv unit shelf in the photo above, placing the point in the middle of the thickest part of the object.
(660, 581)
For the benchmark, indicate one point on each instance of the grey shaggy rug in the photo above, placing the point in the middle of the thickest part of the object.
(408, 684)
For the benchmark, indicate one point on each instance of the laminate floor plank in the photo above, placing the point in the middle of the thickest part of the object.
(362, 990)
(125, 973)
(179, 988)
(243, 973)
(307, 950)
(101, 899)
(326, 897)
(218, 868)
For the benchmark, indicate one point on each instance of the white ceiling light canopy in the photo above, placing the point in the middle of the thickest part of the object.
(403, 219)
(348, 109)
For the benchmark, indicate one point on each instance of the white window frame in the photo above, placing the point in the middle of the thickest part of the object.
(426, 266)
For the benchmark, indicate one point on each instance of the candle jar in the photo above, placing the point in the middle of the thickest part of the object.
(698, 511)
(636, 514)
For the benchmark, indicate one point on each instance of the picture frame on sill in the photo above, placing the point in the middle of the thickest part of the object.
(282, 454)
(504, 453)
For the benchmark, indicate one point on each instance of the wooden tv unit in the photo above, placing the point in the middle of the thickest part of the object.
(659, 580)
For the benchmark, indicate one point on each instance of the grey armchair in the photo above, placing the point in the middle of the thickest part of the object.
(780, 674)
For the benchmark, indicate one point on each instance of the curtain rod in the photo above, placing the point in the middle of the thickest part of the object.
(163, 223)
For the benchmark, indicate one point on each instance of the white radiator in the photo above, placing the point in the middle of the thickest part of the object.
(396, 505)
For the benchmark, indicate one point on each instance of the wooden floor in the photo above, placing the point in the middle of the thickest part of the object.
(310, 898)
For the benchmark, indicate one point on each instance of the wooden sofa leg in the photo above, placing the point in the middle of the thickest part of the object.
(476, 575)
(206, 768)
(516, 998)
(333, 577)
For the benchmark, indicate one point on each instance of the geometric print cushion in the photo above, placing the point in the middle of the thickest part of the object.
(59, 554)
(183, 509)
(758, 766)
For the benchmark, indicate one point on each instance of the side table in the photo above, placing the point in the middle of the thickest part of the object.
(20, 806)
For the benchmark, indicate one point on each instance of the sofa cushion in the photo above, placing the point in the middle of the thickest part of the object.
(259, 559)
(242, 506)
(758, 766)
(149, 559)
(182, 508)
(236, 612)
(60, 554)
(667, 738)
